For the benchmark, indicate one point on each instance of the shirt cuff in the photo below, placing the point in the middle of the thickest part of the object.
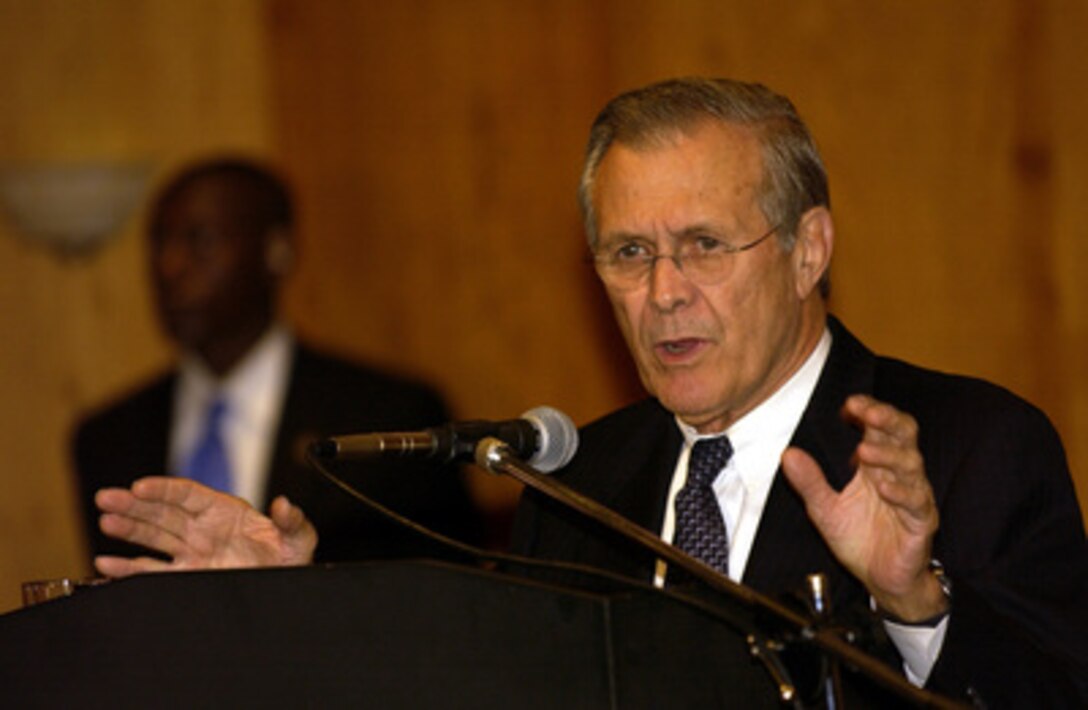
(919, 646)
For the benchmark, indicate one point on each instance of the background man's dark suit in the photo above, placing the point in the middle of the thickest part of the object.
(995, 464)
(326, 396)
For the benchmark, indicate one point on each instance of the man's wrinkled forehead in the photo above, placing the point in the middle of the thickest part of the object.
(735, 147)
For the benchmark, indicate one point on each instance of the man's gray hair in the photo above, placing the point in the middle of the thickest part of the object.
(794, 179)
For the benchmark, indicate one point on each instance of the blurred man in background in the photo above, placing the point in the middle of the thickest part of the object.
(246, 396)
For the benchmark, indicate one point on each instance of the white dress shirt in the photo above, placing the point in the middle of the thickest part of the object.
(254, 391)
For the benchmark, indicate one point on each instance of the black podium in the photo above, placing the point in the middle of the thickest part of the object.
(377, 635)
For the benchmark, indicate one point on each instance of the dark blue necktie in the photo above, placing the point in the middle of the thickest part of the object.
(208, 463)
(700, 528)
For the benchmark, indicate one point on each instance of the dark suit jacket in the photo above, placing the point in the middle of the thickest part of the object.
(326, 396)
(1011, 534)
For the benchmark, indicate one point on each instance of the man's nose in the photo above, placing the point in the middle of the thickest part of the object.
(670, 288)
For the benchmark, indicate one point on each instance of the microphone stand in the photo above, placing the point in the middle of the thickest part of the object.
(495, 456)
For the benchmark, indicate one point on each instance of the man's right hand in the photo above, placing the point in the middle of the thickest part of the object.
(199, 528)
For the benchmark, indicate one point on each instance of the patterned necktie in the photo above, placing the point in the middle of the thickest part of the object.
(208, 463)
(700, 528)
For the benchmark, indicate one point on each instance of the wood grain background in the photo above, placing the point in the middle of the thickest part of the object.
(435, 149)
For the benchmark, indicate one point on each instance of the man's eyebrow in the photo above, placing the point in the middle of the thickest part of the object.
(698, 229)
(688, 230)
(623, 236)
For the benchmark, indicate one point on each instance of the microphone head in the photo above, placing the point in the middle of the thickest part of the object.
(558, 438)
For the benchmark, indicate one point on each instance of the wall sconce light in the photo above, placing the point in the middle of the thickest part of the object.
(71, 208)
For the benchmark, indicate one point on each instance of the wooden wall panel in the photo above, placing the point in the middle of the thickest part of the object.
(435, 142)
(437, 148)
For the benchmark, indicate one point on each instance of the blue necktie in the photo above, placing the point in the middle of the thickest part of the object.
(700, 528)
(208, 463)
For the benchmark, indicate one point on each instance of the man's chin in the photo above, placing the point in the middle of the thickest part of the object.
(691, 405)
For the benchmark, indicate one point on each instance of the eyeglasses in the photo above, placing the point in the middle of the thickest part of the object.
(704, 260)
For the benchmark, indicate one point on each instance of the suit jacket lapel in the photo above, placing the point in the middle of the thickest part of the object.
(158, 425)
(627, 467)
(787, 546)
(645, 489)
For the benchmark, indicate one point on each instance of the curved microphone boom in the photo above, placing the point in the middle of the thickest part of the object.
(543, 437)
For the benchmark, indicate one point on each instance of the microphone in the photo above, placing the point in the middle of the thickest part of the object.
(542, 437)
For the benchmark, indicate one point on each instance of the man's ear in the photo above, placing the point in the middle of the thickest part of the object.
(279, 255)
(812, 250)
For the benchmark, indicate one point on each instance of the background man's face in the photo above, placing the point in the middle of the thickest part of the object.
(708, 353)
(208, 265)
